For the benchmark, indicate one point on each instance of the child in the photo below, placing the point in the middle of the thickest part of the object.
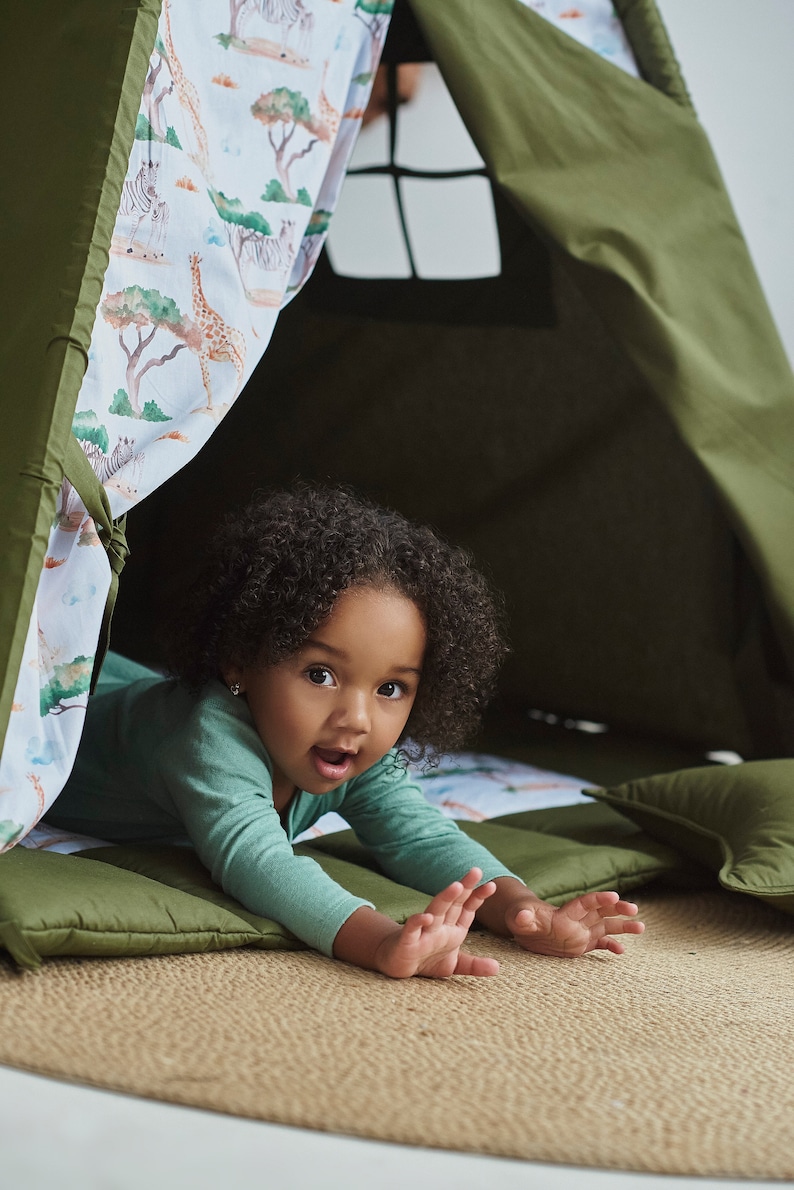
(326, 640)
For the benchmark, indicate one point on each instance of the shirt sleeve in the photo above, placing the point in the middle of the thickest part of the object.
(218, 775)
(412, 841)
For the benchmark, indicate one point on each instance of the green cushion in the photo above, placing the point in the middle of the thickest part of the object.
(560, 853)
(132, 900)
(179, 868)
(62, 904)
(738, 821)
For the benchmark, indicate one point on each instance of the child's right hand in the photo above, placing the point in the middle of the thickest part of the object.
(428, 944)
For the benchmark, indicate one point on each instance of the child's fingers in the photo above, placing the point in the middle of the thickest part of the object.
(444, 902)
(474, 964)
(619, 925)
(415, 924)
(460, 896)
(593, 908)
(524, 922)
(463, 915)
(472, 878)
(479, 896)
(610, 944)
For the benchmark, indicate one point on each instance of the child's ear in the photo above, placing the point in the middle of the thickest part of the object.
(233, 676)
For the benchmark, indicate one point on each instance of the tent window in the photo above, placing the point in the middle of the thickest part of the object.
(449, 147)
(446, 223)
(367, 232)
(451, 227)
(420, 235)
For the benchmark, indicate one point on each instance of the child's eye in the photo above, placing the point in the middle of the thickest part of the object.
(318, 675)
(391, 690)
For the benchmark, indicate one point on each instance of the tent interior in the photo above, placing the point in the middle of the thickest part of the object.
(504, 411)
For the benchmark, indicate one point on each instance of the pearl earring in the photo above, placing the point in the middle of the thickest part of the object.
(235, 688)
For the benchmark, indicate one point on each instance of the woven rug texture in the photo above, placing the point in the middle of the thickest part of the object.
(677, 1057)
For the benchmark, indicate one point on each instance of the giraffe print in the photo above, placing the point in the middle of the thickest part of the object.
(220, 342)
(187, 95)
(327, 122)
(41, 802)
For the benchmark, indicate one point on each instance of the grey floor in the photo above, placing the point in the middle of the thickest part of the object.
(57, 1134)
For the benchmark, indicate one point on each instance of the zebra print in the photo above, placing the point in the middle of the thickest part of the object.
(106, 465)
(281, 12)
(106, 468)
(288, 14)
(272, 253)
(139, 198)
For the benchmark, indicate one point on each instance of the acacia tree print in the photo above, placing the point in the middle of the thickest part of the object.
(311, 245)
(150, 125)
(375, 14)
(245, 229)
(141, 309)
(283, 112)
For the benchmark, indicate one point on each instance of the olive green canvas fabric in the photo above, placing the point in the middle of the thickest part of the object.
(131, 900)
(651, 238)
(736, 821)
(68, 128)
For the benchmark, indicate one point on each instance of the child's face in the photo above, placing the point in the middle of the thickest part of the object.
(335, 708)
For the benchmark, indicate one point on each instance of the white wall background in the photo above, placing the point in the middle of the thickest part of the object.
(737, 57)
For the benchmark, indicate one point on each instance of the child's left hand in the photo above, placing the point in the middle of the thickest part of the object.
(589, 922)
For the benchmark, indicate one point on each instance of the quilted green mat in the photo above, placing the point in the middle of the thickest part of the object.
(133, 900)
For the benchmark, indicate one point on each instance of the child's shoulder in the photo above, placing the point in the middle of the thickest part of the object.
(137, 700)
(385, 774)
(119, 672)
(212, 719)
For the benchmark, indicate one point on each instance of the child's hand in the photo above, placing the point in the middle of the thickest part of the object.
(429, 943)
(583, 924)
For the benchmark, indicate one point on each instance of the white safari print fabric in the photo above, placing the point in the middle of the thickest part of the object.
(248, 116)
(594, 23)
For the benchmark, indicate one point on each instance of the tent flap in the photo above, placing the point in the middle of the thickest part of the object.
(626, 184)
(651, 45)
(71, 133)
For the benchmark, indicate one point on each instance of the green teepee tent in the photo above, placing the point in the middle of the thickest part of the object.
(607, 420)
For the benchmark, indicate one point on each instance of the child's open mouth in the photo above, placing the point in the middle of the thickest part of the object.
(332, 764)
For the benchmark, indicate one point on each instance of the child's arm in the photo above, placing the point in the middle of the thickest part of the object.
(586, 923)
(428, 944)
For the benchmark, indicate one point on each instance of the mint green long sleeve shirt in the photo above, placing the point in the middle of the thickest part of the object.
(158, 763)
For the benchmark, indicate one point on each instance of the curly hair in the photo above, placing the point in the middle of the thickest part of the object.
(275, 569)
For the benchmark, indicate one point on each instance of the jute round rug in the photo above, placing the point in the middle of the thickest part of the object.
(677, 1057)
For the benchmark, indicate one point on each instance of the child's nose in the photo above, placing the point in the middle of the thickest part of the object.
(354, 712)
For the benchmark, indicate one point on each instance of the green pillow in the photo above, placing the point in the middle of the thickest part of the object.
(559, 853)
(133, 900)
(179, 868)
(54, 904)
(737, 820)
